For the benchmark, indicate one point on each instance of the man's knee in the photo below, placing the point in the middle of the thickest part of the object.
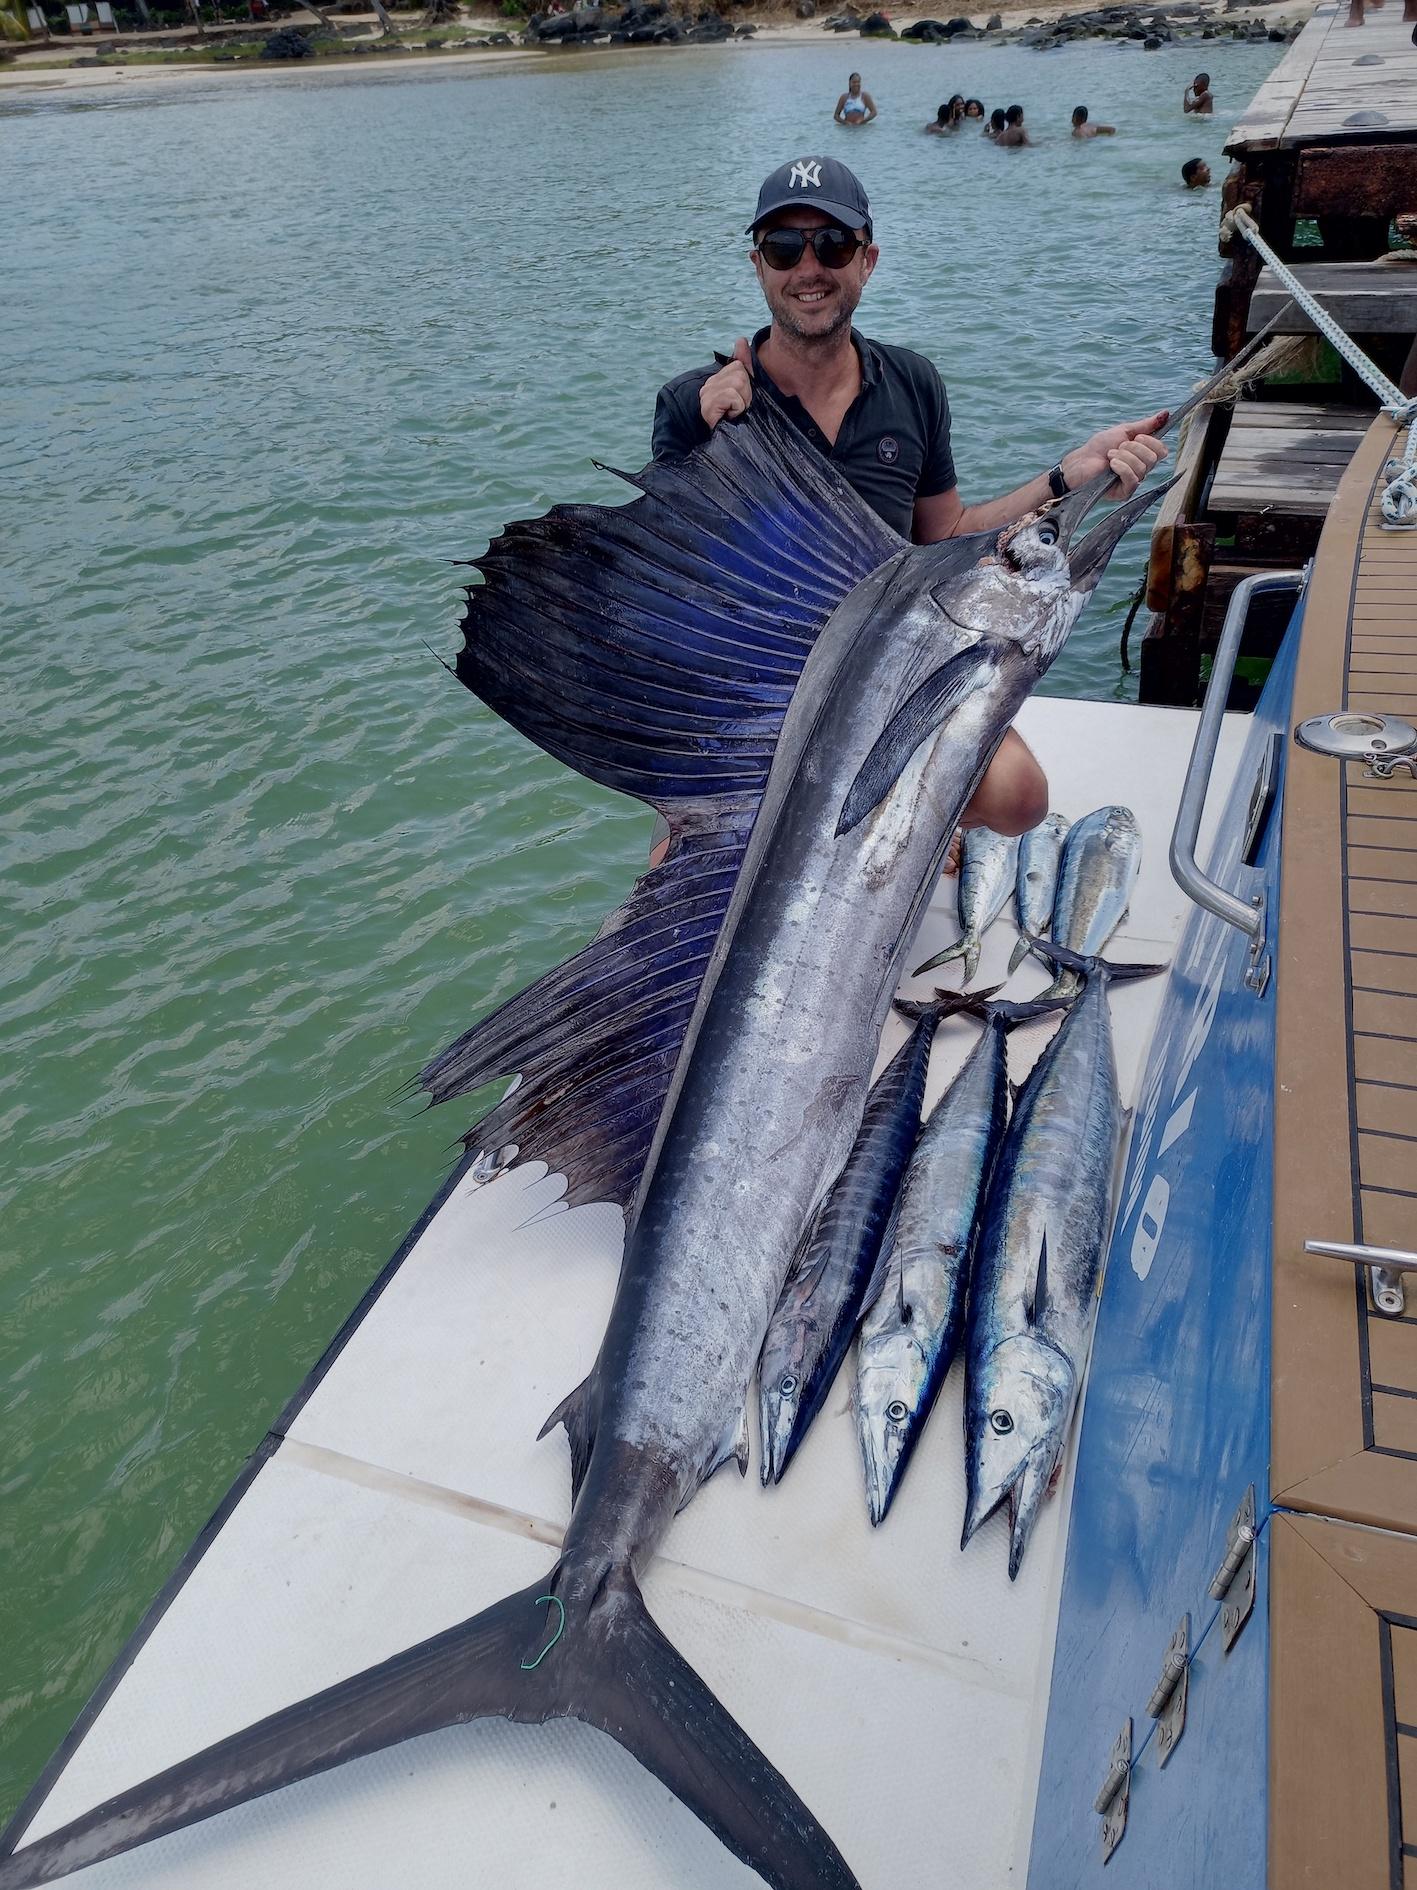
(1013, 796)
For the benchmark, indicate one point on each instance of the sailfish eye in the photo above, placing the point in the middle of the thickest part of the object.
(1047, 529)
(1002, 1422)
(896, 1411)
(788, 1385)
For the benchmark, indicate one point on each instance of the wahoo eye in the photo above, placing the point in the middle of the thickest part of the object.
(896, 1411)
(1047, 530)
(788, 1385)
(1002, 1422)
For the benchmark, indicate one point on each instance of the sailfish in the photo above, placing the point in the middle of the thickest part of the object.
(810, 702)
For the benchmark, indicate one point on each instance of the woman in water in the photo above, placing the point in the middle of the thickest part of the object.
(996, 122)
(974, 108)
(949, 117)
(854, 107)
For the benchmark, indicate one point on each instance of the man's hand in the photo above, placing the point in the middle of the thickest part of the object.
(728, 393)
(1129, 449)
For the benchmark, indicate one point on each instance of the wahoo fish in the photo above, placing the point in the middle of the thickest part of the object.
(810, 702)
(1045, 1226)
(986, 878)
(910, 1334)
(1101, 860)
(836, 1272)
(1040, 854)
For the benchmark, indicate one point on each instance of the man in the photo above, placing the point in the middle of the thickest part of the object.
(1198, 96)
(879, 413)
(1195, 174)
(1082, 129)
(1013, 134)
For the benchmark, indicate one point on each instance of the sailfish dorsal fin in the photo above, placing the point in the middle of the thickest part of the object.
(653, 647)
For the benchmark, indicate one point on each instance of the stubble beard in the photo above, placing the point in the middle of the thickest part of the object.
(840, 322)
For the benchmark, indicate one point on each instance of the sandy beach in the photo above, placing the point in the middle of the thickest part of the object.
(54, 65)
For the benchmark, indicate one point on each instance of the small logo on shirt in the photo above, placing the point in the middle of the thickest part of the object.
(888, 449)
(806, 173)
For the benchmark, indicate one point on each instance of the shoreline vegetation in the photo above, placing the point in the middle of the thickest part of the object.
(295, 36)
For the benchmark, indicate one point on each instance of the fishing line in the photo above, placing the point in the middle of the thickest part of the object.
(557, 1603)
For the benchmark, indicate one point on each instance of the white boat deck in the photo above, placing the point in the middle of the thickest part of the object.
(899, 1684)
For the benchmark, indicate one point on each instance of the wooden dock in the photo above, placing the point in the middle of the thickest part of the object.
(1324, 158)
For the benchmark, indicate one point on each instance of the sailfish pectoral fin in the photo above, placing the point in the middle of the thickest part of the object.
(919, 716)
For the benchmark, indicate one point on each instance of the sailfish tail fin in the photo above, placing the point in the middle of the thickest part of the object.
(532, 1657)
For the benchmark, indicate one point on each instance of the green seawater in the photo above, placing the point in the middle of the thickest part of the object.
(277, 351)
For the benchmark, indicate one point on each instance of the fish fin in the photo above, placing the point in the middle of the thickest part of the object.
(944, 1004)
(593, 1655)
(957, 950)
(971, 959)
(919, 716)
(654, 647)
(1088, 967)
(595, 1041)
(1012, 1012)
(574, 1412)
(734, 1447)
(1036, 1305)
(1018, 954)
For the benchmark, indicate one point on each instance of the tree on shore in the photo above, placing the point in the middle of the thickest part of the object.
(12, 20)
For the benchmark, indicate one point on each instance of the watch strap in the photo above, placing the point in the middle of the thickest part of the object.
(1057, 484)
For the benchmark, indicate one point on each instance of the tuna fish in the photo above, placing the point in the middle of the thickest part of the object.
(910, 1334)
(1101, 860)
(1039, 856)
(810, 702)
(986, 878)
(1045, 1226)
(835, 1274)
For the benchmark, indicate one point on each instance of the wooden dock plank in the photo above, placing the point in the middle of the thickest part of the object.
(1269, 111)
(1363, 298)
(1319, 88)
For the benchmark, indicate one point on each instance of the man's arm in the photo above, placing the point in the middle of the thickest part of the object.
(1130, 449)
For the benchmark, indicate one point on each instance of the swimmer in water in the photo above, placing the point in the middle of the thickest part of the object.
(974, 108)
(949, 117)
(1198, 96)
(996, 122)
(1083, 128)
(1013, 134)
(854, 107)
(1195, 174)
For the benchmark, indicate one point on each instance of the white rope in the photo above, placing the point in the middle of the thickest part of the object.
(1399, 500)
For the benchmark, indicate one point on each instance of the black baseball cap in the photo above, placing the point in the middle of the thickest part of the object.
(820, 183)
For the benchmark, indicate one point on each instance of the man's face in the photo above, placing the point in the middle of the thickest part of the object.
(810, 301)
(1200, 178)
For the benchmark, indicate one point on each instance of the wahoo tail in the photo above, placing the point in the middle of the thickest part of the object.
(533, 1657)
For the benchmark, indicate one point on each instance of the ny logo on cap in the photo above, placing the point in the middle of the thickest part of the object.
(806, 172)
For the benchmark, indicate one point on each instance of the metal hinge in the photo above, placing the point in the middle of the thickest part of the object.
(1233, 1583)
(1111, 1802)
(1167, 1705)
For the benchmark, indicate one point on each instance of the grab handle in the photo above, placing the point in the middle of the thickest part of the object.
(1248, 916)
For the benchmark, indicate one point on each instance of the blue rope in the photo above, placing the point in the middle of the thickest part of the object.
(555, 1601)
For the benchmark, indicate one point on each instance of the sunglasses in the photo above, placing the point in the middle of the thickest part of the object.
(832, 246)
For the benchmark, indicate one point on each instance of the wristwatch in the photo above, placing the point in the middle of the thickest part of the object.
(1057, 485)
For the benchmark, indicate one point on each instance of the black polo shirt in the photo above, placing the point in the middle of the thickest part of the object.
(893, 445)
